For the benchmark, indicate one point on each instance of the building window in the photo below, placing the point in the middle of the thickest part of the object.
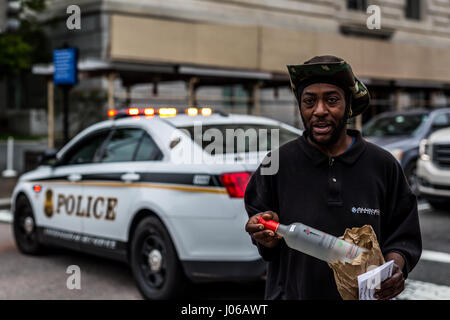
(360, 5)
(412, 9)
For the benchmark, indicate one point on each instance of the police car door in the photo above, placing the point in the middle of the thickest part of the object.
(110, 185)
(64, 204)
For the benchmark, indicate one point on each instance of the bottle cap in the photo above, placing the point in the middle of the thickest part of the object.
(268, 224)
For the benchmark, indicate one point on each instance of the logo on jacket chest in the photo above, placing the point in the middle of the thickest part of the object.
(368, 211)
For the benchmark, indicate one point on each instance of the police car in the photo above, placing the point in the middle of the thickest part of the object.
(144, 188)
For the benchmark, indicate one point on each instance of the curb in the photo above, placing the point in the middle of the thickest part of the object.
(6, 216)
(5, 212)
(5, 202)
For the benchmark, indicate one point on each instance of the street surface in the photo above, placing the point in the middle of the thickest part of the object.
(45, 277)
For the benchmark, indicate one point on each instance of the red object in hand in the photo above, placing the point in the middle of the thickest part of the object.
(268, 224)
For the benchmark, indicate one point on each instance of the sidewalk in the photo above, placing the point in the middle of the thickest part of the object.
(6, 187)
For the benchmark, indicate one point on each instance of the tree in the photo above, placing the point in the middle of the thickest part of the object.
(21, 48)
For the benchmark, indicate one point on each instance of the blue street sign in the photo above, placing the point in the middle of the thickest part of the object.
(65, 64)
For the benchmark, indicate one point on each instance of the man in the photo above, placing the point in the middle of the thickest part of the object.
(331, 179)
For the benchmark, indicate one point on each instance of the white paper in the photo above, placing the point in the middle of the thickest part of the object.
(370, 281)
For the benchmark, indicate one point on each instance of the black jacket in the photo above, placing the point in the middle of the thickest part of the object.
(364, 185)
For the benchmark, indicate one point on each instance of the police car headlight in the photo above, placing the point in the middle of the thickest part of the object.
(424, 150)
(397, 153)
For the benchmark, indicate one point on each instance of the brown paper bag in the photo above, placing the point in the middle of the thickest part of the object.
(346, 274)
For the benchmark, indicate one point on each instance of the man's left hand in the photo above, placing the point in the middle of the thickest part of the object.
(394, 285)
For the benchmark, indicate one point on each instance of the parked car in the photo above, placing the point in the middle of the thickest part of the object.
(127, 189)
(433, 169)
(401, 134)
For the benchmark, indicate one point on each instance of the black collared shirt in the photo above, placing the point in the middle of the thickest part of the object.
(364, 185)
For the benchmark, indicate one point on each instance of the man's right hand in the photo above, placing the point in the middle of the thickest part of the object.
(267, 238)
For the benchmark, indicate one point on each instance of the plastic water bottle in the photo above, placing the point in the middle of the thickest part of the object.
(313, 242)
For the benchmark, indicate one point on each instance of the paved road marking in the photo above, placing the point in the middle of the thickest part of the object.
(419, 290)
(435, 256)
(5, 202)
(5, 216)
(425, 206)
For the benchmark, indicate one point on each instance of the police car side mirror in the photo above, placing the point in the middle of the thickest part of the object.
(49, 158)
(174, 142)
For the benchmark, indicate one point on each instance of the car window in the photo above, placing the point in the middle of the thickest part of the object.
(441, 120)
(85, 150)
(122, 145)
(147, 150)
(256, 137)
(397, 125)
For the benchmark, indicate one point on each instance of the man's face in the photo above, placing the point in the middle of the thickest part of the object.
(322, 107)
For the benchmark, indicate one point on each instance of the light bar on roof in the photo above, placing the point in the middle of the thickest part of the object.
(167, 112)
(149, 111)
(206, 112)
(112, 113)
(192, 112)
(133, 111)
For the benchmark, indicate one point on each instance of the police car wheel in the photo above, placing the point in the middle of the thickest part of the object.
(154, 261)
(24, 228)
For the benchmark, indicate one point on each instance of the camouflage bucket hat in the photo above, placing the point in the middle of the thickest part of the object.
(334, 70)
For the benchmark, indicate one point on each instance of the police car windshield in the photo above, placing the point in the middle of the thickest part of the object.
(395, 125)
(238, 138)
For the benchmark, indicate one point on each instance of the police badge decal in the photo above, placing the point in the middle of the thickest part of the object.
(48, 205)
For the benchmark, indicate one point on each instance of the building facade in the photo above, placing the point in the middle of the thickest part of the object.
(232, 54)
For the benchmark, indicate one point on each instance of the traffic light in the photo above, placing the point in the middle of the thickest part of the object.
(9, 15)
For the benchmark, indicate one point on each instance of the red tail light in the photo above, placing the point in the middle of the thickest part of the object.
(235, 183)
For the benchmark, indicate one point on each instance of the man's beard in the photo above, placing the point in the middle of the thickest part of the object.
(337, 131)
